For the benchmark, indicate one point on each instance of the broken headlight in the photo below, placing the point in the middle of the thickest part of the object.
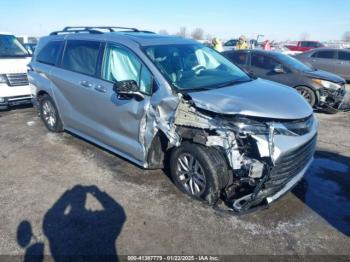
(326, 84)
(250, 126)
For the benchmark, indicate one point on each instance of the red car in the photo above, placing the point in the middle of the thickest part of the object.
(303, 46)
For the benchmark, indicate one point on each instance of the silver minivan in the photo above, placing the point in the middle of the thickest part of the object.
(236, 142)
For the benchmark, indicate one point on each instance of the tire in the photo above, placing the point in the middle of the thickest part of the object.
(308, 94)
(49, 114)
(208, 173)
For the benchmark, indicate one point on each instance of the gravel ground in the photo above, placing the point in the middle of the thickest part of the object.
(62, 195)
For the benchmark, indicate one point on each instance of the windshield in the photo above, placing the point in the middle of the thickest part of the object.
(11, 47)
(192, 66)
(294, 63)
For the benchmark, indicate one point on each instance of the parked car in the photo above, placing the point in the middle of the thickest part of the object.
(14, 86)
(228, 139)
(230, 44)
(336, 61)
(321, 89)
(304, 46)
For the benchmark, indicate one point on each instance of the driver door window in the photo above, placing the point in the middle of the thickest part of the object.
(120, 65)
(263, 62)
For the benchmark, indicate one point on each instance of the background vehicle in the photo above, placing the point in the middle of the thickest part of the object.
(332, 60)
(230, 44)
(14, 86)
(319, 88)
(304, 46)
(148, 97)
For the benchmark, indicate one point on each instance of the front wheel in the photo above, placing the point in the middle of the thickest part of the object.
(199, 171)
(49, 114)
(308, 94)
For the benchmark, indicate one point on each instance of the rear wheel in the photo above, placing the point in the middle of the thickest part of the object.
(308, 94)
(49, 114)
(199, 171)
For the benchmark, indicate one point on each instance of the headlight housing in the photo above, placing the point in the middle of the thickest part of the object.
(245, 125)
(326, 84)
(250, 126)
(3, 79)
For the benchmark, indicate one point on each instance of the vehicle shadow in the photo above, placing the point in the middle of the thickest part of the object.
(74, 232)
(18, 107)
(325, 188)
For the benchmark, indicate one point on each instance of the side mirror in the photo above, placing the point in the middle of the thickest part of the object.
(278, 69)
(128, 89)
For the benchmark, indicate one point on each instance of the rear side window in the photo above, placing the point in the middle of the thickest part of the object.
(81, 56)
(344, 56)
(310, 44)
(50, 53)
(324, 54)
(238, 58)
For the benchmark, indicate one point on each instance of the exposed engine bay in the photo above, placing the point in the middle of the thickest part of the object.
(257, 168)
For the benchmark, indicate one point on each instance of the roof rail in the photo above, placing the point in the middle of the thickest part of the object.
(93, 29)
(76, 31)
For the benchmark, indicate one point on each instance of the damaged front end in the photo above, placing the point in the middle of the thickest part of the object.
(266, 157)
(332, 98)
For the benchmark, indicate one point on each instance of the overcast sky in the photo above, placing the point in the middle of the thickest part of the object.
(276, 19)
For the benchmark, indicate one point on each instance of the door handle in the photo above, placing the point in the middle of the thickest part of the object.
(100, 89)
(85, 83)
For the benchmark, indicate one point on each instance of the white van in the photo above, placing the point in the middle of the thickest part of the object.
(14, 86)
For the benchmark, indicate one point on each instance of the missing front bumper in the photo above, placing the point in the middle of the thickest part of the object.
(263, 199)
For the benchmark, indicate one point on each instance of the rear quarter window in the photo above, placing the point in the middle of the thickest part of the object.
(344, 56)
(81, 56)
(50, 53)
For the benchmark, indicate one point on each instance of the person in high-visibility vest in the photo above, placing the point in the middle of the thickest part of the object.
(242, 43)
(217, 44)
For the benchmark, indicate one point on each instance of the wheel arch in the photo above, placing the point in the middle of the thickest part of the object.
(313, 89)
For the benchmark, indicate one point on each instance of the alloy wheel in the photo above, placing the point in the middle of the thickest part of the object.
(49, 113)
(305, 94)
(190, 174)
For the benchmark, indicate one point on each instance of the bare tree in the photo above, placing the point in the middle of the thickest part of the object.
(163, 32)
(182, 32)
(346, 36)
(305, 36)
(198, 34)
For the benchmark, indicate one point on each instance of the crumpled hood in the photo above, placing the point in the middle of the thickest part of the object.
(14, 65)
(325, 76)
(259, 98)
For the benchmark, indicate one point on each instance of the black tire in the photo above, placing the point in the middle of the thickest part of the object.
(49, 114)
(308, 94)
(213, 165)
